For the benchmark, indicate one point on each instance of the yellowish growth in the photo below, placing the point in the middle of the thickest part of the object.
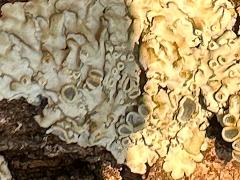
(191, 58)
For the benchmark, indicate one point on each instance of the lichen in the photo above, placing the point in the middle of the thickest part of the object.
(230, 120)
(4, 171)
(191, 58)
(81, 55)
(78, 56)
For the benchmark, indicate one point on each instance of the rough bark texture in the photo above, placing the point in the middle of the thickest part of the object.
(10, 1)
(31, 154)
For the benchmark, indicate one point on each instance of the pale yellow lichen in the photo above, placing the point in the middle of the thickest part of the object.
(191, 58)
(137, 156)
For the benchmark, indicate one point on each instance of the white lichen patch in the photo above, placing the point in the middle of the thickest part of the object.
(4, 171)
(75, 53)
(191, 58)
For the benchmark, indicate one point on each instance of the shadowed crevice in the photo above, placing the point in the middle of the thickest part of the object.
(223, 148)
(236, 25)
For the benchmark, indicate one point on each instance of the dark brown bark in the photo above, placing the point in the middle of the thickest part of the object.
(31, 154)
(10, 1)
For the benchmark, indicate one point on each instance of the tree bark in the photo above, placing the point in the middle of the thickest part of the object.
(32, 154)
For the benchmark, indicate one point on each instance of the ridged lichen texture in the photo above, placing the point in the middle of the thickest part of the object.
(87, 57)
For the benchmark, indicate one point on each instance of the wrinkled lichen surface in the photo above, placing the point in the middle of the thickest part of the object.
(80, 56)
(191, 57)
(76, 54)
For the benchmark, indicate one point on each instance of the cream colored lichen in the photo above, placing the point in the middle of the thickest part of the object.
(4, 171)
(75, 53)
(191, 58)
(183, 163)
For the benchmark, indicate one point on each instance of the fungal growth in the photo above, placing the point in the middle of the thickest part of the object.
(231, 124)
(79, 55)
(76, 53)
(191, 57)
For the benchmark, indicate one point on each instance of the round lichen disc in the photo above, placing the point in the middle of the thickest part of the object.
(230, 134)
(236, 155)
(236, 145)
(229, 120)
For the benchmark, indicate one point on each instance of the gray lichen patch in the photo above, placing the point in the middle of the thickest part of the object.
(189, 107)
(4, 171)
(76, 54)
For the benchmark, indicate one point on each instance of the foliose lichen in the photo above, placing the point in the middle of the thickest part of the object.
(191, 57)
(80, 56)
